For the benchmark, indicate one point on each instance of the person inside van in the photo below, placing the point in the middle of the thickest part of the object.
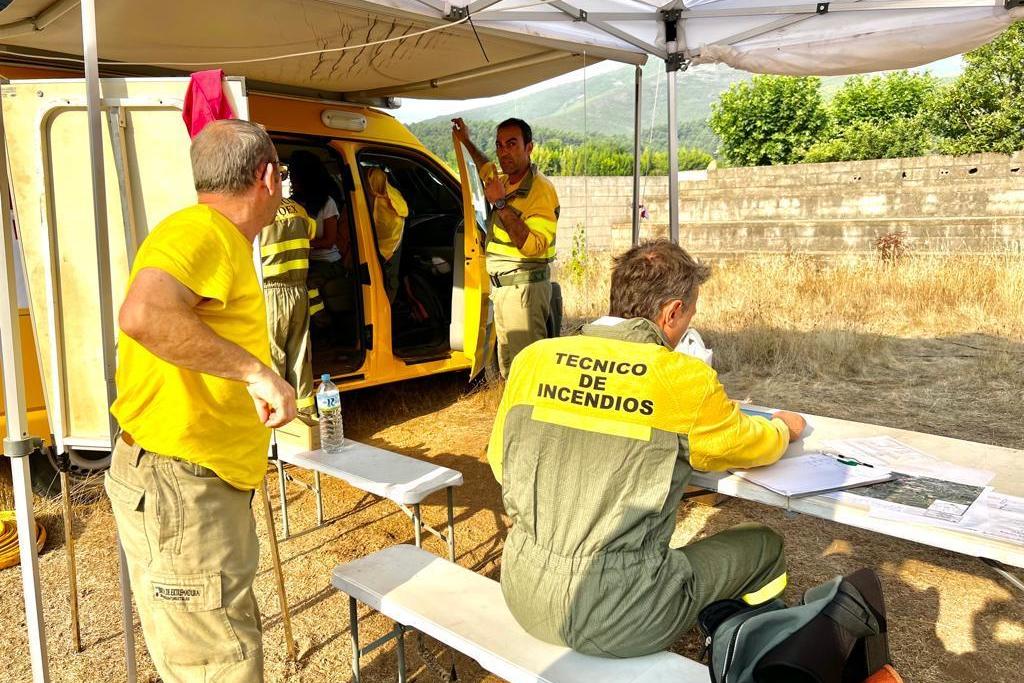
(389, 210)
(314, 189)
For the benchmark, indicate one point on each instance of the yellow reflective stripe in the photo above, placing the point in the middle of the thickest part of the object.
(315, 308)
(287, 245)
(314, 293)
(499, 233)
(542, 225)
(590, 423)
(502, 250)
(278, 268)
(304, 403)
(772, 589)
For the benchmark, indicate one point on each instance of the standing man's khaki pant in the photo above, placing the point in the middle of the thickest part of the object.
(288, 326)
(520, 318)
(190, 541)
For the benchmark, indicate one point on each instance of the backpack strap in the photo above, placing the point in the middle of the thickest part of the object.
(851, 611)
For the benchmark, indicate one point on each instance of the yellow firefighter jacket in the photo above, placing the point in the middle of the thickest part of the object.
(535, 200)
(595, 439)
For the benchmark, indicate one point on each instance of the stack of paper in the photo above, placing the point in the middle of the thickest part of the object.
(805, 475)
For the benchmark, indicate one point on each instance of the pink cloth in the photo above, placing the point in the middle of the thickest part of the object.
(205, 101)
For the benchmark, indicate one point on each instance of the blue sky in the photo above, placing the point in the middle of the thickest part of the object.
(417, 110)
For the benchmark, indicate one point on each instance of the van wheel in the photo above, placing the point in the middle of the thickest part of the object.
(45, 469)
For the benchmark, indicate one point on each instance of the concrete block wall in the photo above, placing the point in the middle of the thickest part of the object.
(972, 203)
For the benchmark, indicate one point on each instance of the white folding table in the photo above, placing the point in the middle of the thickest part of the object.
(1006, 463)
(403, 480)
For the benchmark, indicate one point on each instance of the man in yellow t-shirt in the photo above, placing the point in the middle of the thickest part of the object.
(520, 237)
(196, 401)
(594, 442)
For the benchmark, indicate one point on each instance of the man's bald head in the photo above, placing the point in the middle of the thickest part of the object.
(228, 156)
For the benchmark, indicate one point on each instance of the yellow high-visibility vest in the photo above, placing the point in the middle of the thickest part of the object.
(284, 244)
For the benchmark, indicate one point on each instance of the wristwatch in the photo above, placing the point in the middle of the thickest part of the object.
(500, 204)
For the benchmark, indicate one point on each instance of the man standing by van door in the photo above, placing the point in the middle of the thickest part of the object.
(284, 249)
(195, 400)
(520, 237)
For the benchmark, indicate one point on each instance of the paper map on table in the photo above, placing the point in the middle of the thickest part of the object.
(921, 497)
(899, 457)
(994, 515)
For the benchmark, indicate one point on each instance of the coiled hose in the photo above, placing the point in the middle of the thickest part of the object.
(9, 555)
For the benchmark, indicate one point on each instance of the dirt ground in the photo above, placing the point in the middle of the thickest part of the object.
(951, 618)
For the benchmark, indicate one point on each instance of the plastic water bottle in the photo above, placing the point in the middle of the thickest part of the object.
(328, 404)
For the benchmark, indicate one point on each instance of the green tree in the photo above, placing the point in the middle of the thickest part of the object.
(881, 117)
(881, 99)
(863, 140)
(769, 120)
(983, 109)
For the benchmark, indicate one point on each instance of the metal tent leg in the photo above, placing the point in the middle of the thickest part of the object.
(18, 445)
(673, 160)
(99, 207)
(638, 81)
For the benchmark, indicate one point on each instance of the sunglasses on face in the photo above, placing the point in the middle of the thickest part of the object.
(282, 169)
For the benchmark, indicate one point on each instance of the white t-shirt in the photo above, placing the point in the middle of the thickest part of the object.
(329, 210)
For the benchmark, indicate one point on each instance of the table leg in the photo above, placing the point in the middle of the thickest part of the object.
(400, 650)
(451, 526)
(998, 569)
(319, 498)
(353, 629)
(417, 525)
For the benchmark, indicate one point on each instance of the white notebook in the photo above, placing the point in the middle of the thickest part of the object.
(813, 473)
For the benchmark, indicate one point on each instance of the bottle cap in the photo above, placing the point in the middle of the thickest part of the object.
(326, 377)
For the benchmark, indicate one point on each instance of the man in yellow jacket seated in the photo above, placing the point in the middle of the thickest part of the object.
(595, 440)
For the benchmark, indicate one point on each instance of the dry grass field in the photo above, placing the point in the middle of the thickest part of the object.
(930, 343)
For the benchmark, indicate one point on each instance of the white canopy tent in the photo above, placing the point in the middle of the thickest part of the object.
(371, 51)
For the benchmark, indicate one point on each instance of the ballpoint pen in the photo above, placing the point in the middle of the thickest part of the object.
(846, 459)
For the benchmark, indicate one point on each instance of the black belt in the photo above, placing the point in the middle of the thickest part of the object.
(520, 277)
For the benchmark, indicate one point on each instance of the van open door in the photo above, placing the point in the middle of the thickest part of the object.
(474, 333)
(148, 176)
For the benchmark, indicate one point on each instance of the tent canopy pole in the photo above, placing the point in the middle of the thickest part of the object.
(638, 90)
(99, 207)
(19, 446)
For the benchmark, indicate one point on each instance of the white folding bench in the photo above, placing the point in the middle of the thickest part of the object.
(467, 612)
(403, 480)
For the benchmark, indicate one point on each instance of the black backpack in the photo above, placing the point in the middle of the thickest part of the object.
(837, 634)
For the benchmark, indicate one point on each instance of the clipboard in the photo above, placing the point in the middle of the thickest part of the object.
(812, 473)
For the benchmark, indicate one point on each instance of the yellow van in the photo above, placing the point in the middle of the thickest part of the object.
(438, 322)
